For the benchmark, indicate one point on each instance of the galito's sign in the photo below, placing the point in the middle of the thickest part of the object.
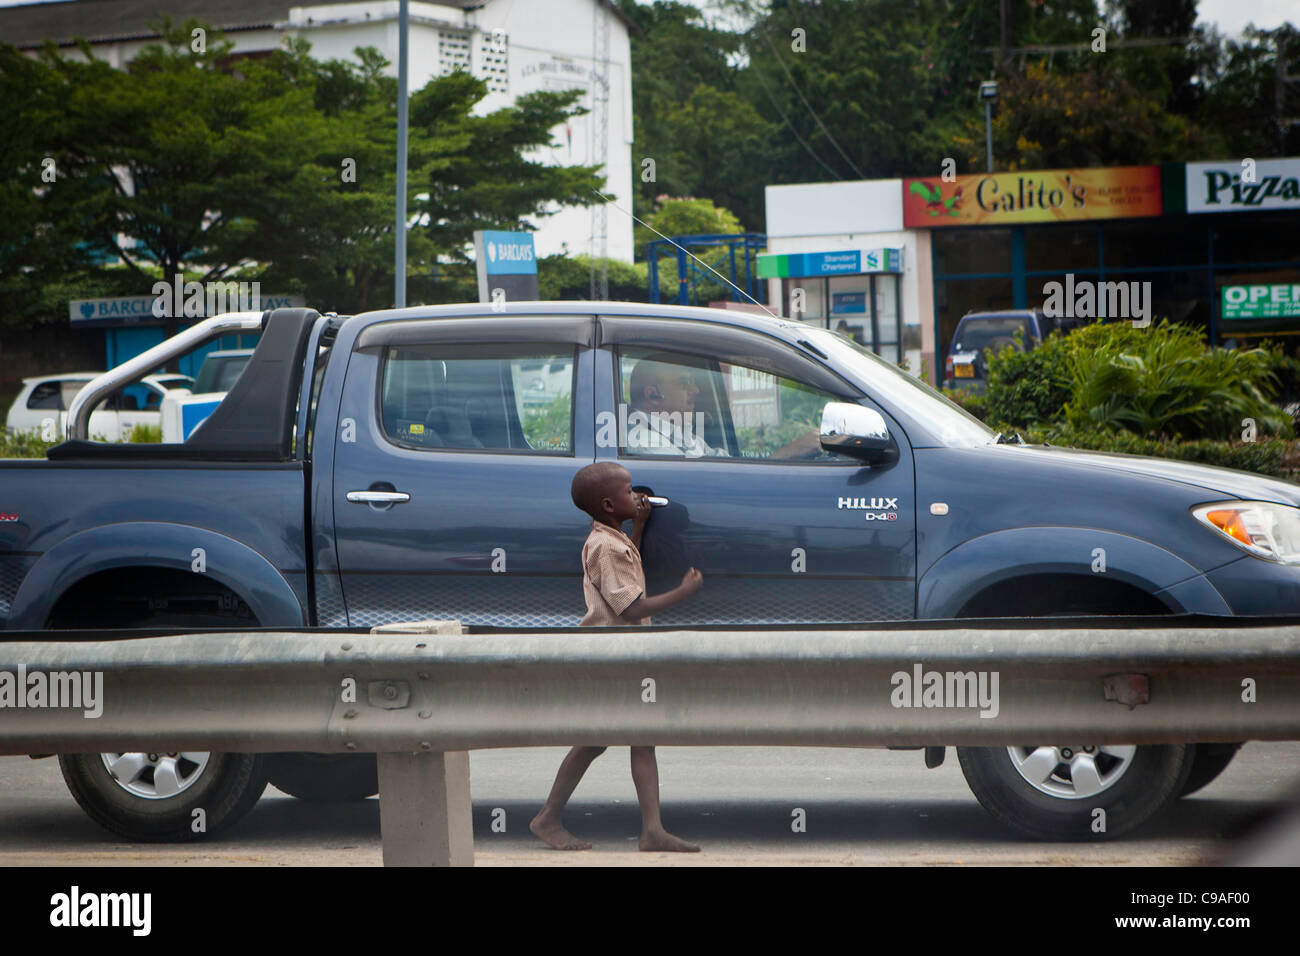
(1032, 196)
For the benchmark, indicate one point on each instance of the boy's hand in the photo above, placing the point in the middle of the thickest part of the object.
(642, 511)
(692, 581)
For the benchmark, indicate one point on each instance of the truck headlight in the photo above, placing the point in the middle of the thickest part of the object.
(1262, 528)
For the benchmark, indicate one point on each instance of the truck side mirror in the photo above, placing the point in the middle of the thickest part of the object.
(859, 432)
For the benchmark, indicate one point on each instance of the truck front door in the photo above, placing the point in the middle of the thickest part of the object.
(723, 422)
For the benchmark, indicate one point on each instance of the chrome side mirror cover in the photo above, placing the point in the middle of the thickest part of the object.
(857, 431)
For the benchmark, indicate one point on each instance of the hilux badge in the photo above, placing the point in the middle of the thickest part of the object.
(868, 504)
(877, 509)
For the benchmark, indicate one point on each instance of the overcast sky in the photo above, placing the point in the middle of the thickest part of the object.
(1229, 15)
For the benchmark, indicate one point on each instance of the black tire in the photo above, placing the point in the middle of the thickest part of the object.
(1210, 761)
(1154, 778)
(229, 784)
(325, 778)
(226, 788)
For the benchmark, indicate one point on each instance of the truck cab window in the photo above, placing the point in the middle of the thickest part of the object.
(479, 397)
(679, 405)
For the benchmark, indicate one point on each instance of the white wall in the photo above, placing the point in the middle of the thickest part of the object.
(809, 209)
(551, 48)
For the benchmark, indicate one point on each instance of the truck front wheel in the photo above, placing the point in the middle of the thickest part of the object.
(163, 797)
(1076, 792)
(325, 778)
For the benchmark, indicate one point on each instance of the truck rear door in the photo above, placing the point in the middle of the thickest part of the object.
(457, 444)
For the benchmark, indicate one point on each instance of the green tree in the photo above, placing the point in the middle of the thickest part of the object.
(1241, 102)
(675, 53)
(569, 277)
(280, 169)
(717, 136)
(1048, 119)
(687, 216)
(465, 172)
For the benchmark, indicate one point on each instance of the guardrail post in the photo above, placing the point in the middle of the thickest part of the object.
(424, 809)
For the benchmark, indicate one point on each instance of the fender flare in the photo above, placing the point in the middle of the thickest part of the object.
(155, 544)
(971, 567)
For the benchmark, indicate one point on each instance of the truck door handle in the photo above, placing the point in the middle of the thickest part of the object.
(378, 497)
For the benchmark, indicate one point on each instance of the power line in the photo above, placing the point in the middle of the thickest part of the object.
(815, 116)
(687, 251)
(785, 119)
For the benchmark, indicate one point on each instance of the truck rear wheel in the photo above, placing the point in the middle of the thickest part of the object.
(1076, 792)
(325, 778)
(163, 797)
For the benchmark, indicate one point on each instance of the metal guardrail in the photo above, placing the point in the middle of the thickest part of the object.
(421, 695)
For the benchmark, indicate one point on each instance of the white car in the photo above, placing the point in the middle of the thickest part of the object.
(42, 405)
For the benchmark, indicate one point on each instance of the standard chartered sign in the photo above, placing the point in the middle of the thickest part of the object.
(1261, 301)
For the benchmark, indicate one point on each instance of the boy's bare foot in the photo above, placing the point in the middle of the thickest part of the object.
(663, 841)
(553, 832)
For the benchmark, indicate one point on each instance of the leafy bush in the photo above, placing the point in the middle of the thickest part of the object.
(1274, 457)
(145, 433)
(23, 444)
(976, 404)
(569, 278)
(1028, 387)
(1162, 382)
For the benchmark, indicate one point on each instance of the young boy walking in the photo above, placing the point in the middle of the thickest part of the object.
(613, 583)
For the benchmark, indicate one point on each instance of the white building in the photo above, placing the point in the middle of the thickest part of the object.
(517, 46)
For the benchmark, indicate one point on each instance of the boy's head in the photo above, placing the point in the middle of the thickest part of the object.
(604, 491)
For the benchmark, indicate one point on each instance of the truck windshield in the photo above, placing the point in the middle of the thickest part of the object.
(887, 383)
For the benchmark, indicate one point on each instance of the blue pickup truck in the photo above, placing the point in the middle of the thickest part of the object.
(414, 464)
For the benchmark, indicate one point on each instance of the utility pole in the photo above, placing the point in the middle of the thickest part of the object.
(989, 94)
(1004, 34)
(600, 146)
(399, 235)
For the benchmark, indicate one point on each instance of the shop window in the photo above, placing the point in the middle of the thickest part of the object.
(958, 251)
(1256, 237)
(851, 308)
(1071, 248)
(814, 299)
(1155, 242)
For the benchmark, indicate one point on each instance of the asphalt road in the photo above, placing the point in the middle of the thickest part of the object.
(862, 807)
